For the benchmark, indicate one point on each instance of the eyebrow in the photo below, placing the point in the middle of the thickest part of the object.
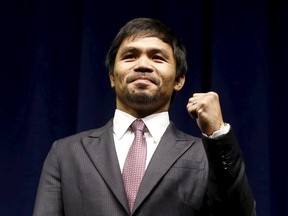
(150, 50)
(128, 49)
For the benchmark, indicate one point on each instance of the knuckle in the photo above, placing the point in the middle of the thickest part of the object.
(213, 95)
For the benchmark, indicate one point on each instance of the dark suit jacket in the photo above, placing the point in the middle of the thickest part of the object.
(81, 177)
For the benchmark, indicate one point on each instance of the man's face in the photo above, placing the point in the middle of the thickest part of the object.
(144, 75)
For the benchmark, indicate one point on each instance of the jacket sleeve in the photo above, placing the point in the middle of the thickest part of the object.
(229, 192)
(49, 199)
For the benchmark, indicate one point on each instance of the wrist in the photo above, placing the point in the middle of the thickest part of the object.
(223, 129)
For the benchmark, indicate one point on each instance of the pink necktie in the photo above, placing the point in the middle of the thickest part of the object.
(134, 166)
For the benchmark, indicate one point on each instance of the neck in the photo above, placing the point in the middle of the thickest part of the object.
(142, 113)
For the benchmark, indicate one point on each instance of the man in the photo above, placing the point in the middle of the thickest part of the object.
(88, 173)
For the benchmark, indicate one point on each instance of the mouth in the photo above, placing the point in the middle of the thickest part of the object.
(148, 79)
(143, 81)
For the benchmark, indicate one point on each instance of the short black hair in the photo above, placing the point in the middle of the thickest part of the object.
(148, 27)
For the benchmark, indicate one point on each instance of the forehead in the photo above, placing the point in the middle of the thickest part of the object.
(146, 43)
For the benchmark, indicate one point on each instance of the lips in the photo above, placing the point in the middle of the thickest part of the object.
(144, 78)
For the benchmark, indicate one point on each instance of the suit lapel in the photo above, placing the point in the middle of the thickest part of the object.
(172, 145)
(100, 148)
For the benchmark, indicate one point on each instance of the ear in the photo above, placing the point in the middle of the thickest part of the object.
(112, 83)
(179, 83)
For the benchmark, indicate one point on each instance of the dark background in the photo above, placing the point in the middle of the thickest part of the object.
(54, 83)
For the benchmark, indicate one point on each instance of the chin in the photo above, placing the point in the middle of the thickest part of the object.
(142, 98)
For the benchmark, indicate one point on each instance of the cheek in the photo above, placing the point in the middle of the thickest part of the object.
(119, 79)
(168, 78)
(118, 75)
(167, 72)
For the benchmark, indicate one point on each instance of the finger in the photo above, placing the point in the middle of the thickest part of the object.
(198, 94)
(192, 109)
(193, 100)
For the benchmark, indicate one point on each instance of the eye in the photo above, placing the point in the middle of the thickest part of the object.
(158, 58)
(129, 56)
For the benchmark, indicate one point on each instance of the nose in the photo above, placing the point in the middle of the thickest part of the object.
(143, 65)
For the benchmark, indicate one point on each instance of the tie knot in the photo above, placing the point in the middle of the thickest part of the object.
(138, 124)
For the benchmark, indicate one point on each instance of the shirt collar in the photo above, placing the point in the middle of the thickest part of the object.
(156, 123)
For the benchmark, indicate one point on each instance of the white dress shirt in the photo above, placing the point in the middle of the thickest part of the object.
(123, 137)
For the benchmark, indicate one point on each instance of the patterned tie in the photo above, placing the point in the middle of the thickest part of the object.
(134, 166)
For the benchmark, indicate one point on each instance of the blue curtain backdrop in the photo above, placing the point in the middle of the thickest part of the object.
(54, 83)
